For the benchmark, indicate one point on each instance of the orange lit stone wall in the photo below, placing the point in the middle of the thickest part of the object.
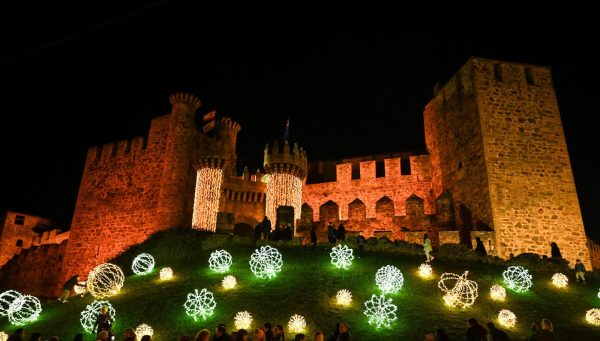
(16, 237)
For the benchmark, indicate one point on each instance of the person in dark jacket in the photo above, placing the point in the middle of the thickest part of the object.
(258, 229)
(475, 331)
(496, 334)
(579, 271)
(18, 335)
(221, 334)
(344, 332)
(67, 287)
(268, 329)
(479, 247)
(341, 233)
(313, 236)
(266, 226)
(361, 241)
(555, 251)
(545, 333)
(103, 322)
(331, 233)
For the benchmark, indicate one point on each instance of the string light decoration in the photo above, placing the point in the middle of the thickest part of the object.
(91, 312)
(24, 309)
(144, 329)
(283, 189)
(592, 316)
(560, 280)
(266, 262)
(389, 279)
(497, 292)
(507, 318)
(425, 270)
(200, 304)
(242, 320)
(6, 300)
(105, 280)
(517, 278)
(166, 274)
(3, 336)
(80, 288)
(343, 297)
(206, 199)
(229, 282)
(459, 291)
(219, 261)
(341, 256)
(143, 264)
(380, 311)
(297, 324)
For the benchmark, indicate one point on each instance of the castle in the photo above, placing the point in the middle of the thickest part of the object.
(497, 167)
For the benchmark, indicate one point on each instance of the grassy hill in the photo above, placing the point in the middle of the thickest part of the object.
(307, 286)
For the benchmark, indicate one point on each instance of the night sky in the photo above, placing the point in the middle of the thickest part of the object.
(354, 81)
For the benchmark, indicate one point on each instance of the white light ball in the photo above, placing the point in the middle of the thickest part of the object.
(425, 270)
(507, 318)
(200, 304)
(105, 280)
(24, 309)
(460, 291)
(229, 282)
(219, 261)
(592, 316)
(560, 280)
(80, 288)
(380, 311)
(266, 262)
(3, 336)
(243, 320)
(166, 274)
(517, 278)
(143, 264)
(389, 279)
(91, 312)
(297, 324)
(344, 297)
(143, 329)
(7, 298)
(341, 256)
(497, 292)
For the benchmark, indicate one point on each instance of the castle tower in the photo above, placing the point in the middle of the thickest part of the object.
(209, 178)
(285, 170)
(227, 131)
(497, 145)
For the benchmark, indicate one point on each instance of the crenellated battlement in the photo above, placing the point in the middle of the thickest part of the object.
(228, 123)
(186, 98)
(286, 160)
(115, 151)
(214, 162)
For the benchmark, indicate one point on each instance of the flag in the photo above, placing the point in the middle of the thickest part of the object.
(287, 129)
(210, 116)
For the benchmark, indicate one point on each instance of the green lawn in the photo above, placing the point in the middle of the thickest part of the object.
(307, 286)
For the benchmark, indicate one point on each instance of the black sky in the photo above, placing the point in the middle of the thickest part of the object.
(353, 80)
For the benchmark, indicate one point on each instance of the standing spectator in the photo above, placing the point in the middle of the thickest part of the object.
(258, 230)
(242, 335)
(129, 334)
(341, 232)
(18, 335)
(259, 335)
(221, 334)
(278, 334)
(268, 331)
(78, 337)
(331, 233)
(149, 338)
(546, 333)
(298, 337)
(35, 337)
(496, 334)
(361, 241)
(266, 226)
(579, 271)
(440, 335)
(67, 287)
(313, 237)
(344, 334)
(318, 336)
(202, 335)
(427, 247)
(479, 247)
(103, 321)
(475, 331)
(555, 251)
(336, 333)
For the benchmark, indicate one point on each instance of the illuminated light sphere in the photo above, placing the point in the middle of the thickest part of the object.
(297, 324)
(24, 309)
(283, 189)
(341, 256)
(507, 318)
(229, 282)
(497, 292)
(459, 291)
(91, 312)
(380, 311)
(219, 261)
(105, 280)
(200, 304)
(425, 270)
(143, 264)
(3, 336)
(517, 278)
(389, 279)
(166, 274)
(143, 329)
(80, 288)
(243, 320)
(592, 316)
(560, 280)
(7, 298)
(266, 262)
(343, 297)
(206, 199)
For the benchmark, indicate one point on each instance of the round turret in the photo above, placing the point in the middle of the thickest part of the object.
(283, 160)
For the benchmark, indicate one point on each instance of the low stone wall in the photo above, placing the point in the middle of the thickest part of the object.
(449, 237)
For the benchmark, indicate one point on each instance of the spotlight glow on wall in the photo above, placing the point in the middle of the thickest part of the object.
(80, 288)
(166, 274)
(91, 312)
(389, 279)
(341, 256)
(283, 190)
(380, 311)
(517, 278)
(592, 316)
(24, 309)
(459, 291)
(200, 304)
(425, 270)
(343, 297)
(143, 329)
(143, 264)
(560, 280)
(229, 282)
(507, 318)
(242, 320)
(219, 261)
(105, 280)
(6, 300)
(297, 324)
(497, 292)
(266, 262)
(206, 200)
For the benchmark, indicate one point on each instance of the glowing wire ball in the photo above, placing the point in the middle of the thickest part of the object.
(200, 304)
(80, 288)
(144, 329)
(219, 261)
(105, 280)
(507, 318)
(297, 324)
(381, 311)
(206, 198)
(143, 264)
(91, 312)
(497, 292)
(24, 309)
(166, 274)
(425, 270)
(389, 279)
(560, 280)
(343, 297)
(3, 336)
(459, 291)
(266, 262)
(592, 316)
(341, 256)
(229, 282)
(517, 278)
(7, 298)
(243, 320)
